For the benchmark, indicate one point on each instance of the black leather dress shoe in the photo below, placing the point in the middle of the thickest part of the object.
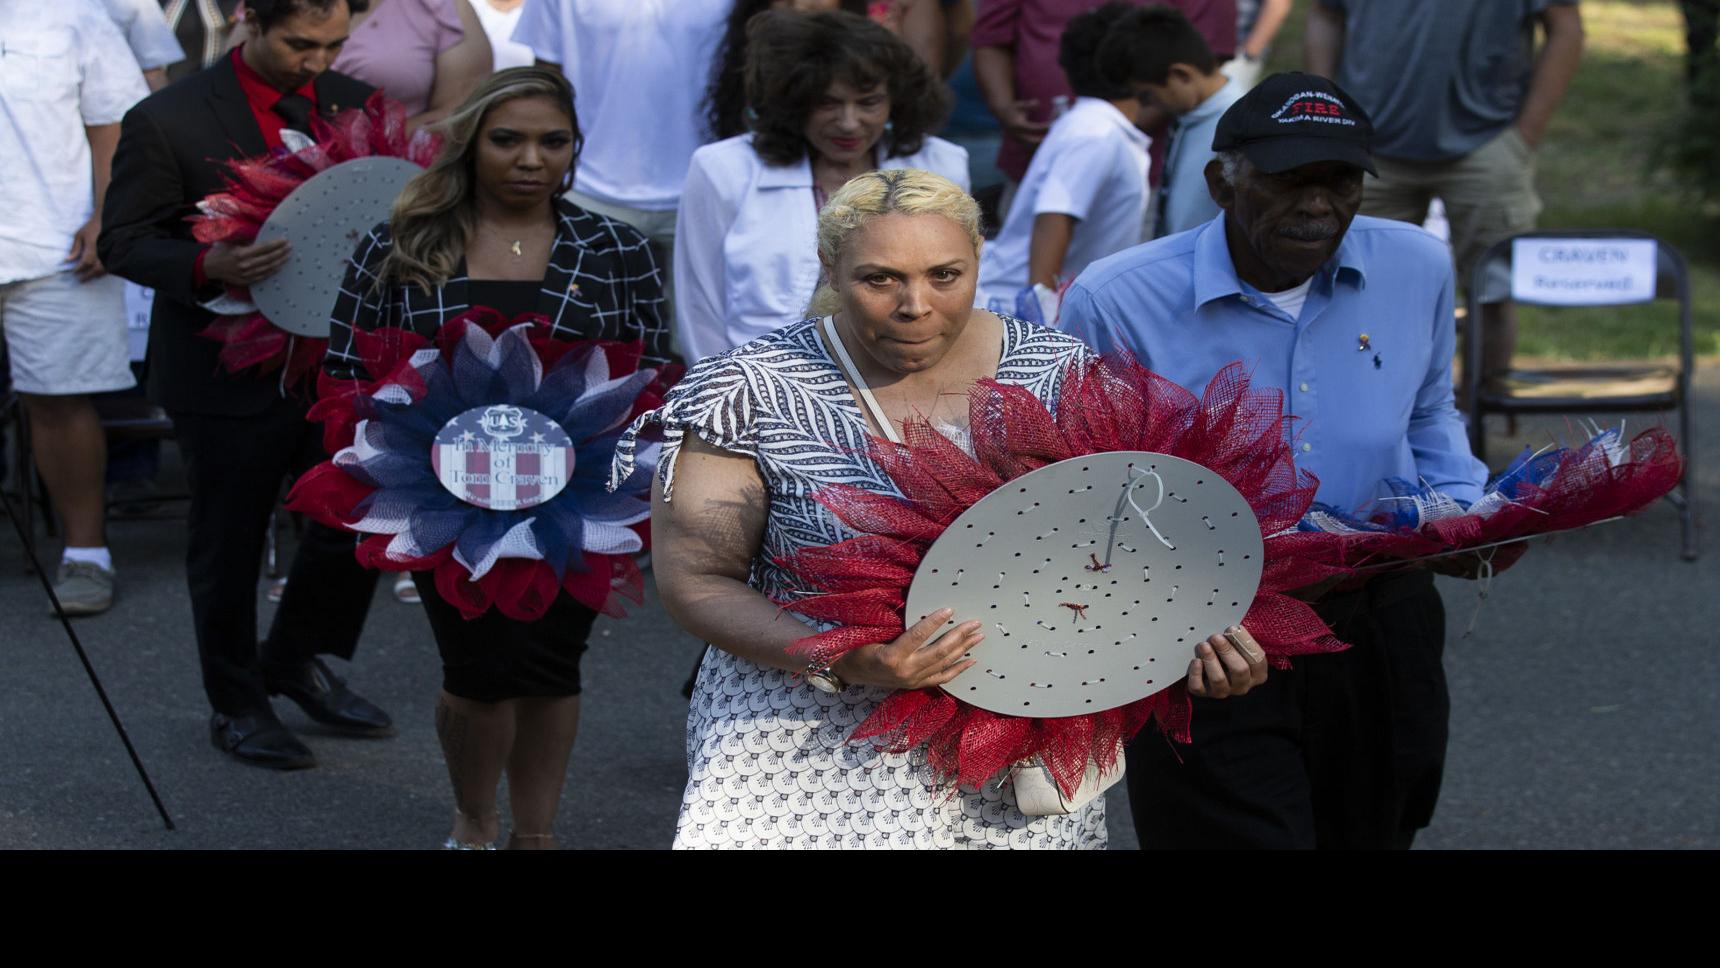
(260, 740)
(325, 698)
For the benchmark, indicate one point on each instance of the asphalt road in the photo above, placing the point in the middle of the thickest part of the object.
(1584, 711)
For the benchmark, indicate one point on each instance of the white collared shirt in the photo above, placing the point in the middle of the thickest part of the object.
(63, 65)
(147, 31)
(746, 241)
(639, 69)
(1092, 165)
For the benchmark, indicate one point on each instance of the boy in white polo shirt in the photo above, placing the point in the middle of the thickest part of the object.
(1084, 196)
(1175, 69)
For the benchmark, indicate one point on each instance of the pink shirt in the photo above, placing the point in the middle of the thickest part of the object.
(395, 48)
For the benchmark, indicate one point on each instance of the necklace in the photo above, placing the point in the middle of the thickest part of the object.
(517, 246)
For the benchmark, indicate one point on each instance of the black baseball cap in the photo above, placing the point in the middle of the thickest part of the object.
(1294, 119)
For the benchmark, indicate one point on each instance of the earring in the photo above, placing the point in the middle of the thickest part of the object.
(566, 182)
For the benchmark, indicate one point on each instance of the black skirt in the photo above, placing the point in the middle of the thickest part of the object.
(493, 657)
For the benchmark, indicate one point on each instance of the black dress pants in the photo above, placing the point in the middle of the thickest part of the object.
(235, 467)
(1346, 750)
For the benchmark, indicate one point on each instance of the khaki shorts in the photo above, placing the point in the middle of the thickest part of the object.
(66, 337)
(1489, 195)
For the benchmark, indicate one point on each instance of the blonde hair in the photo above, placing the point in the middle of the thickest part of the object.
(904, 191)
(435, 216)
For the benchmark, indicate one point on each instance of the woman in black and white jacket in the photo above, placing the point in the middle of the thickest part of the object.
(484, 226)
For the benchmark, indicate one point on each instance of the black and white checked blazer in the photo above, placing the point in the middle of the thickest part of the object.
(602, 283)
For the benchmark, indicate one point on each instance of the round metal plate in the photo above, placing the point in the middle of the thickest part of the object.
(1085, 607)
(503, 457)
(324, 219)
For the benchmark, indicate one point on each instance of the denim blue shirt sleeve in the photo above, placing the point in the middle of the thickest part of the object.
(1365, 369)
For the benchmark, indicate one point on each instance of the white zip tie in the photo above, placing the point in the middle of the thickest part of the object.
(1483, 585)
(281, 387)
(1146, 513)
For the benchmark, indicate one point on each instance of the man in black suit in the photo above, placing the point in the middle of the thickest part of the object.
(241, 435)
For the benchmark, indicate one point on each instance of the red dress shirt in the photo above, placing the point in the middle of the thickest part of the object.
(261, 96)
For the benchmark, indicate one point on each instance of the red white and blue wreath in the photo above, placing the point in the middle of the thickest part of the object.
(484, 457)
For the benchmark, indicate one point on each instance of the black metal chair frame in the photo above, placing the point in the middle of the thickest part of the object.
(1672, 281)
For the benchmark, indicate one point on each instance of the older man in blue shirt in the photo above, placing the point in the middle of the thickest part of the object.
(1351, 317)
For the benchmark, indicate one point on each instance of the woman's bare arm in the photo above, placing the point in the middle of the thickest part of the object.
(703, 544)
(459, 70)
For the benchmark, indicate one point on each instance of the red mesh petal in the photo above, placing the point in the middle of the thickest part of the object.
(373, 553)
(454, 584)
(522, 589)
(329, 495)
(605, 581)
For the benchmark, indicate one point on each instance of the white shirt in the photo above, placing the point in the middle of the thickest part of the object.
(1290, 301)
(499, 26)
(1092, 165)
(63, 65)
(639, 70)
(746, 241)
(147, 32)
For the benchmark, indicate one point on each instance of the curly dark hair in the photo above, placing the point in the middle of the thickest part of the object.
(792, 59)
(268, 13)
(1078, 52)
(726, 96)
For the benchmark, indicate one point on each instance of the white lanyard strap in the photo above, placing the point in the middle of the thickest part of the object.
(853, 373)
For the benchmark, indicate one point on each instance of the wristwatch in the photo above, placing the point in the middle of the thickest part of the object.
(822, 679)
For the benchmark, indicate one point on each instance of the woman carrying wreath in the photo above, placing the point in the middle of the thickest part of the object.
(749, 437)
(485, 226)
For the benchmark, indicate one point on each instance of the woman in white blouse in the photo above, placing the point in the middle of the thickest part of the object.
(832, 96)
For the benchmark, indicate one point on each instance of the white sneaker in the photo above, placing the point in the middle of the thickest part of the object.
(84, 588)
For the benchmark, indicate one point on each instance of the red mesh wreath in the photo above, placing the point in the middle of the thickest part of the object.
(1579, 486)
(256, 186)
(1109, 405)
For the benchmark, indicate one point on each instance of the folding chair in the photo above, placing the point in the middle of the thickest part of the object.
(1588, 387)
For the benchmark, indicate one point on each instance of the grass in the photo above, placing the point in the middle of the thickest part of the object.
(1597, 169)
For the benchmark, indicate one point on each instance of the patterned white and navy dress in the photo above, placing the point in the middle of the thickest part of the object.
(768, 757)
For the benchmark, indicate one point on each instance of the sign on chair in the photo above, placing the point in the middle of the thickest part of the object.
(1582, 272)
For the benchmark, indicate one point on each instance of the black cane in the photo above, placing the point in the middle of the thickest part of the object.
(83, 657)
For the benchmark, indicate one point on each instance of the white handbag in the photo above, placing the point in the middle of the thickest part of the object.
(1037, 795)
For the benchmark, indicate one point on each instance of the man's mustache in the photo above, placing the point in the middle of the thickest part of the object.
(1318, 230)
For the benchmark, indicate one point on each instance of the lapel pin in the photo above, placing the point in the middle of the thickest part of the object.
(1363, 344)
